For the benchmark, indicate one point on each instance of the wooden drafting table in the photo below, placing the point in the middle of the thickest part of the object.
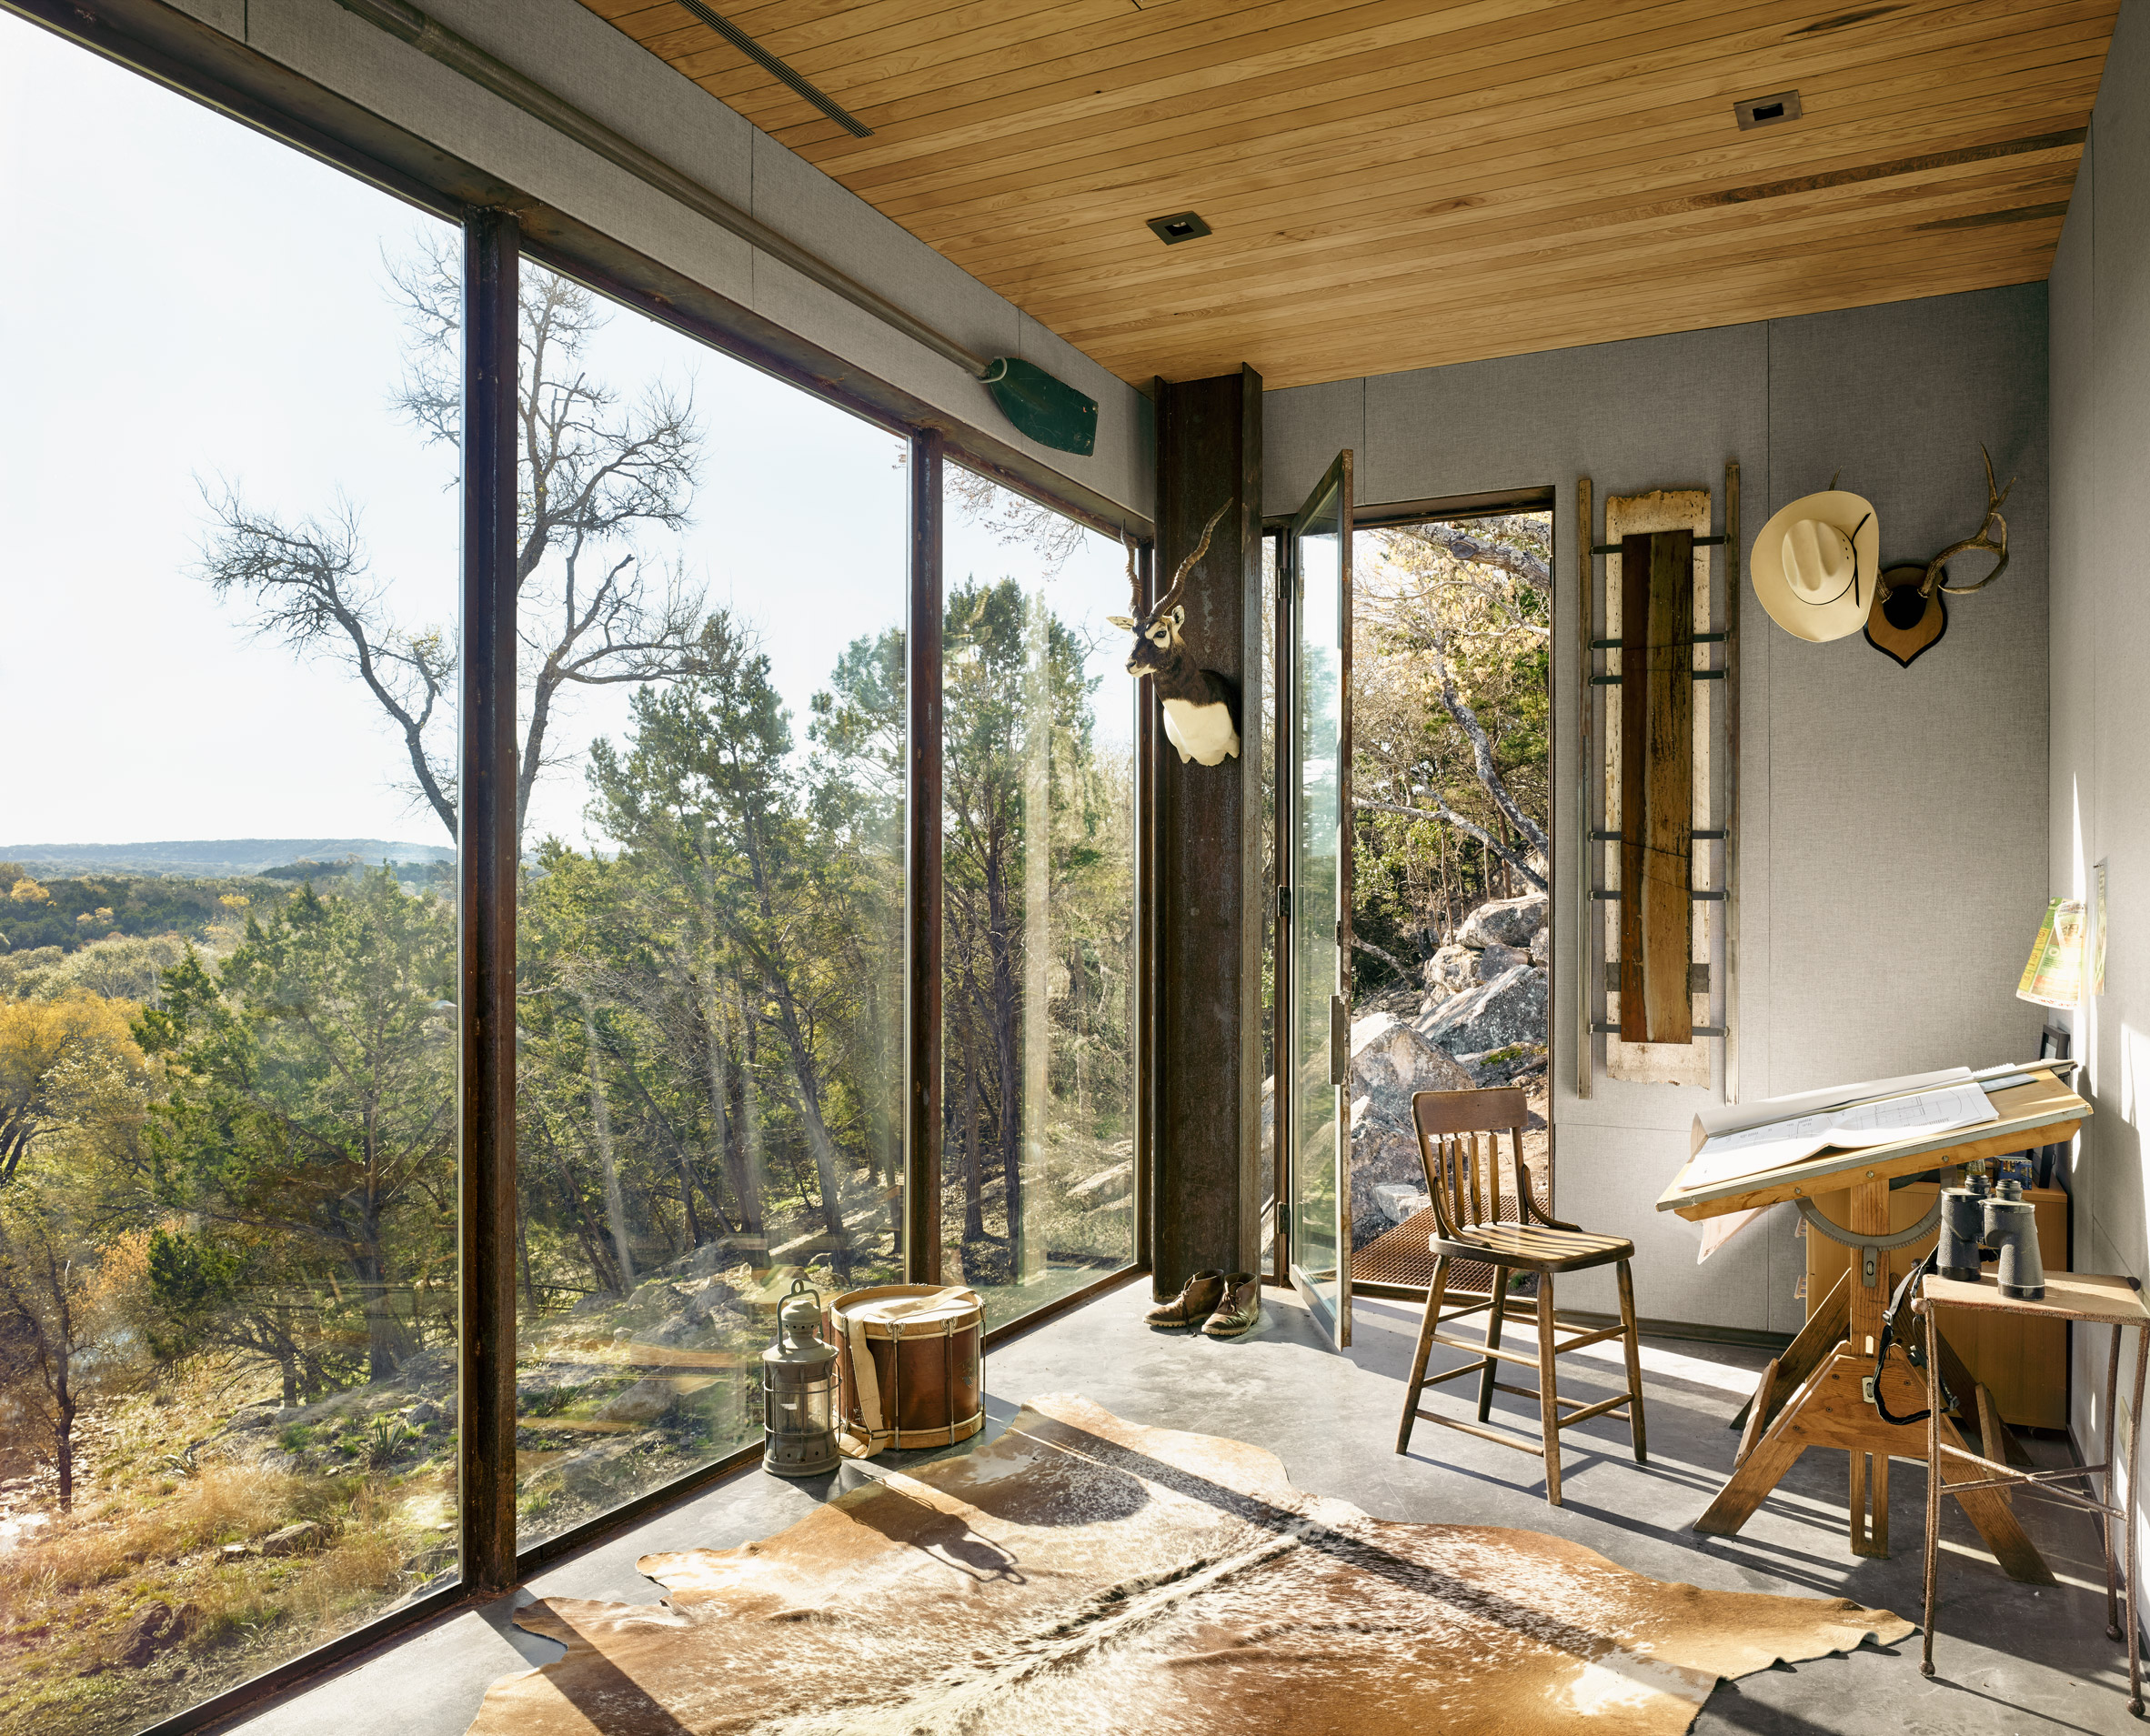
(1814, 1395)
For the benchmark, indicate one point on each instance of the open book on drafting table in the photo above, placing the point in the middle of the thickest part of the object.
(1753, 1139)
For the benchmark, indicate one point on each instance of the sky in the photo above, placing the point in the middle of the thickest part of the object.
(208, 307)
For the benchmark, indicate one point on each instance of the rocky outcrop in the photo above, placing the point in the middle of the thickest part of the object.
(1390, 1060)
(1501, 1014)
(645, 1401)
(1457, 969)
(1505, 922)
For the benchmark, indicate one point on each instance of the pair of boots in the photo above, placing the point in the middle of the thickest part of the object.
(1232, 1302)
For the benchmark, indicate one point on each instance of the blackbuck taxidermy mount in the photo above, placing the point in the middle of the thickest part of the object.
(1198, 718)
(1909, 616)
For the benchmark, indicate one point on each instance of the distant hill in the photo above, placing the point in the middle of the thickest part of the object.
(209, 858)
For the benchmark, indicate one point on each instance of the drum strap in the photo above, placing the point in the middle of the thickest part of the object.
(866, 1383)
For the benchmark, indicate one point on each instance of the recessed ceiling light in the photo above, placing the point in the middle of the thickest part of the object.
(1766, 111)
(1181, 226)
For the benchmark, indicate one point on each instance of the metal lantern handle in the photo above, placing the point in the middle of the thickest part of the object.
(799, 1287)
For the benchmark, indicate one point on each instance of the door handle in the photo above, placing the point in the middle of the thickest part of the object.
(1340, 1040)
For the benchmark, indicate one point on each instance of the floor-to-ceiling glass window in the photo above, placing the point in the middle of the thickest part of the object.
(227, 919)
(1038, 1183)
(715, 573)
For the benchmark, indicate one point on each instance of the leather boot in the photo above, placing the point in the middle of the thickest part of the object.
(1239, 1308)
(1204, 1290)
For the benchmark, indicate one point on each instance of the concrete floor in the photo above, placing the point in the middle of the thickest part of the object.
(2012, 1657)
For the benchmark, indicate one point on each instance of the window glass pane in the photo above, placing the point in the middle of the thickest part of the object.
(1037, 1069)
(228, 1169)
(709, 1100)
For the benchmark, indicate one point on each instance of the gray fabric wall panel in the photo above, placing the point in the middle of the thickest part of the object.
(565, 45)
(228, 15)
(1903, 934)
(2100, 312)
(1296, 449)
(1900, 810)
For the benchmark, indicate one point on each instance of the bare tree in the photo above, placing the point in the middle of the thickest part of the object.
(595, 475)
(1443, 587)
(45, 1319)
(1014, 519)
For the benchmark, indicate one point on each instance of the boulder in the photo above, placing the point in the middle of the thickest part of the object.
(596, 1472)
(1390, 1060)
(647, 1400)
(300, 1538)
(1505, 922)
(1398, 1201)
(707, 1299)
(1456, 969)
(155, 1627)
(1508, 1010)
(1541, 947)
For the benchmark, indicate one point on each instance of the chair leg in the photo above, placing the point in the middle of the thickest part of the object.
(1549, 1409)
(1492, 1343)
(1634, 1367)
(1434, 1295)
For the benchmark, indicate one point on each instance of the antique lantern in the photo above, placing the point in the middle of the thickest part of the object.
(798, 1391)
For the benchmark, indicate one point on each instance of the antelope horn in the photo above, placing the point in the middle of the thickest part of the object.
(1134, 579)
(1187, 565)
(1995, 498)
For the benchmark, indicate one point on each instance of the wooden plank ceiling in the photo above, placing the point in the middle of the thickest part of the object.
(1401, 184)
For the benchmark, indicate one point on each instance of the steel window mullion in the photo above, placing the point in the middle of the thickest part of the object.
(485, 884)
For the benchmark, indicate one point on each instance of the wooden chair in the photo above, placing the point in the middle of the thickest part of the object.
(1464, 1178)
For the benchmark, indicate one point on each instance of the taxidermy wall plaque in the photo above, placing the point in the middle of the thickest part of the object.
(1909, 614)
(1197, 719)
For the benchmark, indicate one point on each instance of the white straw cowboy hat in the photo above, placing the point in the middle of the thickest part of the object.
(1815, 565)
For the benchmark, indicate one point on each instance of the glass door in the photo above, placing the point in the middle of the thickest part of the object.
(1314, 860)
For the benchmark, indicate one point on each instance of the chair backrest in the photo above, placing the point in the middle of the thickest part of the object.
(1459, 1148)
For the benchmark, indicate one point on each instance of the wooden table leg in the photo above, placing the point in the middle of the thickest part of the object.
(1816, 1343)
(2105, 1523)
(2135, 1438)
(1933, 1497)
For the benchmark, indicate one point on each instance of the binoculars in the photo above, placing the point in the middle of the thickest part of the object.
(1982, 1215)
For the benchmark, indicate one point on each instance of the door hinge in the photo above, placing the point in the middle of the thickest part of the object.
(1284, 902)
(1340, 1040)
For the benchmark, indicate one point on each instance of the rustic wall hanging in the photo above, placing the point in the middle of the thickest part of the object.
(1909, 613)
(1658, 793)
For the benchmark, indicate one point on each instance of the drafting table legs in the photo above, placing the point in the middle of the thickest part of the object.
(1816, 1398)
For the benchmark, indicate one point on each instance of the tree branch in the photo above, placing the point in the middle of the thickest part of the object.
(1482, 750)
(1518, 563)
(1441, 810)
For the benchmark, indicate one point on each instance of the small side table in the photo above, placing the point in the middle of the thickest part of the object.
(2095, 1301)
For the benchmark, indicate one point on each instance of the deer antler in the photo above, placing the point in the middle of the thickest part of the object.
(1994, 499)
(1186, 566)
(1134, 579)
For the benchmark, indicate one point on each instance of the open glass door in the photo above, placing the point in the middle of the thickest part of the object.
(1314, 860)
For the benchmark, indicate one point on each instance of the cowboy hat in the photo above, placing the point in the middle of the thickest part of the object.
(1815, 565)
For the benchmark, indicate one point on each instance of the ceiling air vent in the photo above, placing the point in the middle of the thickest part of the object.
(1181, 226)
(1766, 111)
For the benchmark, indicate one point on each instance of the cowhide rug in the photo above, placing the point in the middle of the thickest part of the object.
(1083, 1574)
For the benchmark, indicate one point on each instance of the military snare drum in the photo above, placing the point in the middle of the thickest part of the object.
(910, 1366)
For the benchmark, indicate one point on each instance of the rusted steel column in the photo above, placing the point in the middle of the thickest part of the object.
(1206, 963)
(485, 876)
(922, 799)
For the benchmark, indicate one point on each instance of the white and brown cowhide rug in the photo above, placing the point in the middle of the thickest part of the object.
(1085, 1574)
